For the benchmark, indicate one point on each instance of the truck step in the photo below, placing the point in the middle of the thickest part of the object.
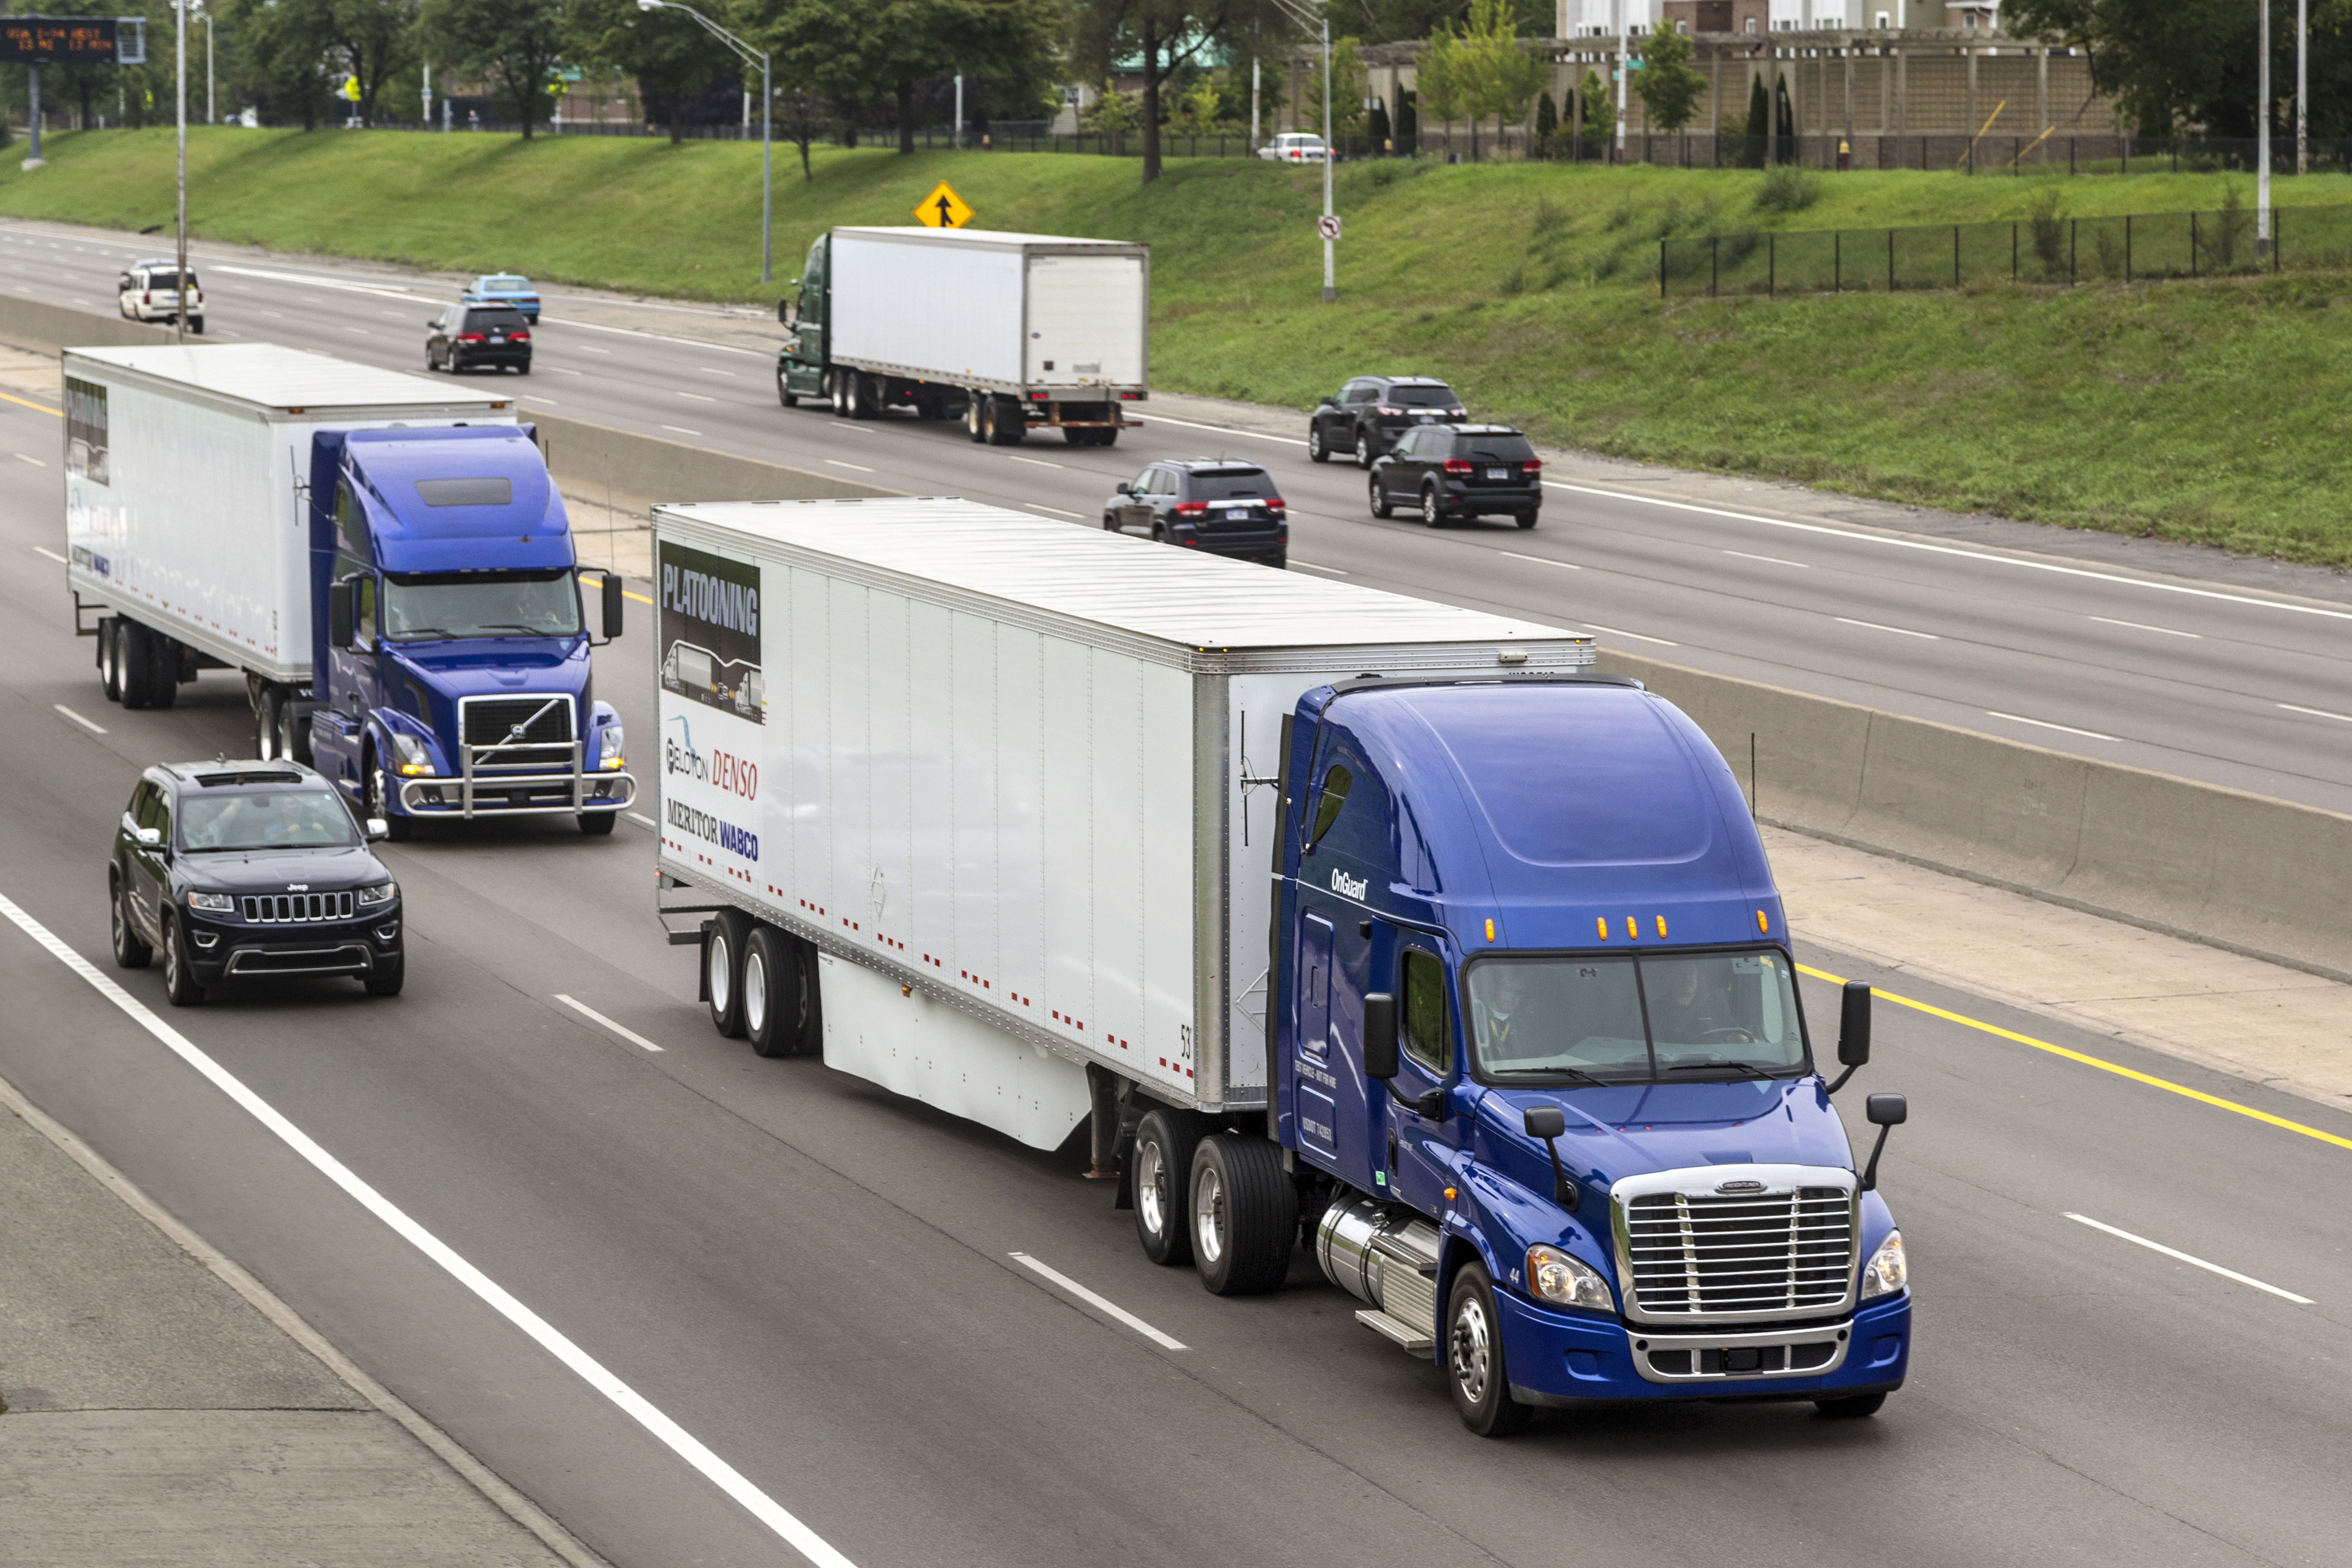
(1398, 1333)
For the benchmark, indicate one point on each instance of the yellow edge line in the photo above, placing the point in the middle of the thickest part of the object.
(632, 593)
(27, 403)
(2117, 1069)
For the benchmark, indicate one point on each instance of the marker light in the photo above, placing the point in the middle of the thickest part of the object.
(1662, 927)
(1601, 924)
(1632, 929)
(1762, 929)
(1490, 929)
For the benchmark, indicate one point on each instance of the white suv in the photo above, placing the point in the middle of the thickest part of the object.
(1292, 148)
(150, 291)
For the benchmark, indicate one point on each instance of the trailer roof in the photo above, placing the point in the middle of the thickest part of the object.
(986, 237)
(1148, 590)
(272, 376)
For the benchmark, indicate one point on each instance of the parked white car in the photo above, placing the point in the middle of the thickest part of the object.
(1293, 148)
(150, 291)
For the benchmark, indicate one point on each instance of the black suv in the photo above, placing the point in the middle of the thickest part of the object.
(1216, 504)
(1460, 470)
(466, 336)
(1373, 412)
(239, 869)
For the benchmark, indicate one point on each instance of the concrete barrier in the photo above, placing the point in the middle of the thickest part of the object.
(46, 329)
(591, 461)
(2245, 872)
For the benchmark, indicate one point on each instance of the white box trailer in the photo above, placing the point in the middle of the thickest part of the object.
(1013, 779)
(187, 477)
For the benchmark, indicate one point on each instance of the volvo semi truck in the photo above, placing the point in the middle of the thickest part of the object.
(1341, 920)
(383, 557)
(1006, 331)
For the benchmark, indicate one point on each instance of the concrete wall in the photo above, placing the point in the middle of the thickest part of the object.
(2239, 871)
(45, 329)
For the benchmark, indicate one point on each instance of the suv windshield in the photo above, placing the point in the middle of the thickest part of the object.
(480, 605)
(1422, 397)
(1625, 1019)
(1494, 448)
(1230, 484)
(282, 819)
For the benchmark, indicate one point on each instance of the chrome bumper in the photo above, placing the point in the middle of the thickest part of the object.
(471, 794)
(1729, 1357)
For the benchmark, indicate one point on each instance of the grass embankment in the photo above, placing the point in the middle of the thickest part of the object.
(2211, 411)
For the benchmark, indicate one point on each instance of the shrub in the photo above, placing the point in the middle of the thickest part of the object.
(1786, 188)
(2049, 230)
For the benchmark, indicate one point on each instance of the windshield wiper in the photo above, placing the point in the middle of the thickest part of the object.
(1745, 1069)
(1548, 1074)
(405, 633)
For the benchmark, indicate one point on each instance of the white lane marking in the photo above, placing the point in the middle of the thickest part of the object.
(713, 369)
(52, 554)
(534, 397)
(36, 462)
(2046, 724)
(698, 397)
(1898, 631)
(316, 282)
(78, 718)
(681, 429)
(637, 816)
(1310, 566)
(2140, 626)
(1033, 462)
(1088, 1296)
(1614, 632)
(559, 370)
(657, 337)
(861, 429)
(2185, 1258)
(359, 332)
(584, 349)
(1228, 430)
(1776, 561)
(275, 315)
(678, 1440)
(594, 1016)
(2315, 713)
(1541, 561)
(1954, 550)
(1057, 511)
(837, 463)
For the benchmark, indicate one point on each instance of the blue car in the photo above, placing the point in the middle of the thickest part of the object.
(504, 288)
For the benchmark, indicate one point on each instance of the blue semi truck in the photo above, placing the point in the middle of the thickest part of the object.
(1346, 920)
(383, 557)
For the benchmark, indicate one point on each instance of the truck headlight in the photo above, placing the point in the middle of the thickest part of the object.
(1554, 1275)
(410, 751)
(608, 754)
(219, 903)
(384, 893)
(1886, 1272)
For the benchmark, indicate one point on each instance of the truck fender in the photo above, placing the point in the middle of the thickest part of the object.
(1463, 1240)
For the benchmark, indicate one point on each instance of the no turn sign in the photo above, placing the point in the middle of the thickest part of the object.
(1328, 226)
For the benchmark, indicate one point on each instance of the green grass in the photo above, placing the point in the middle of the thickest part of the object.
(2214, 412)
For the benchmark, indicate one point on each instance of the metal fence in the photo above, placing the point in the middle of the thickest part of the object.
(2053, 249)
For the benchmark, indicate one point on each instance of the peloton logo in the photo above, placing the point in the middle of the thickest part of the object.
(1348, 887)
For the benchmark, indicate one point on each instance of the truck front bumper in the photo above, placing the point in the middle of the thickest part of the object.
(1565, 1357)
(517, 795)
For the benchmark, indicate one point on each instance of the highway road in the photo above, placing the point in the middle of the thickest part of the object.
(812, 1284)
(2056, 645)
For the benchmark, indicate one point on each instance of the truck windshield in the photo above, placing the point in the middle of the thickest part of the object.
(1625, 1019)
(283, 819)
(427, 607)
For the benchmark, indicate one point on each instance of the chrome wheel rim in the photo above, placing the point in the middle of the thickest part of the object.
(1151, 1187)
(120, 925)
(1375, 487)
(721, 976)
(755, 990)
(1472, 1351)
(172, 956)
(1209, 1213)
(1364, 452)
(1429, 507)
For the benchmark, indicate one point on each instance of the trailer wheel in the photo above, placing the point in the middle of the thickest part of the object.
(1475, 1372)
(110, 658)
(268, 721)
(1244, 1216)
(806, 1015)
(293, 732)
(723, 972)
(771, 977)
(1108, 437)
(135, 665)
(973, 402)
(1163, 1162)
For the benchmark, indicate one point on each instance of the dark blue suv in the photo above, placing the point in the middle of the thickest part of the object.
(1216, 504)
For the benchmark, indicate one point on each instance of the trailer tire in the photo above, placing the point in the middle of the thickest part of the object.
(722, 971)
(1162, 1164)
(1243, 1213)
(1108, 437)
(973, 426)
(110, 658)
(293, 732)
(808, 1000)
(268, 723)
(771, 982)
(135, 664)
(1474, 1371)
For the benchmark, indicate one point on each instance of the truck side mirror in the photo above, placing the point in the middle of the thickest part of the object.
(1886, 1112)
(1853, 1031)
(784, 311)
(1547, 1122)
(613, 604)
(1380, 1034)
(339, 615)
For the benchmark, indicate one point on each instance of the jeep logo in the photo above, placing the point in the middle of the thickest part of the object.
(297, 887)
(1348, 887)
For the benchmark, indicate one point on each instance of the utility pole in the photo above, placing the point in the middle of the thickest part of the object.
(1624, 69)
(2262, 130)
(210, 118)
(33, 89)
(1254, 103)
(427, 121)
(957, 140)
(1330, 278)
(180, 76)
(2303, 87)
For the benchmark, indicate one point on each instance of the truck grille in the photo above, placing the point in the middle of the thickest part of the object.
(492, 720)
(1771, 1254)
(288, 909)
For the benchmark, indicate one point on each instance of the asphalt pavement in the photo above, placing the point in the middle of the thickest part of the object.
(2191, 664)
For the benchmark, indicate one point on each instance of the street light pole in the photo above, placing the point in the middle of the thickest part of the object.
(180, 74)
(1330, 278)
(747, 54)
(1624, 69)
(2262, 130)
(2301, 87)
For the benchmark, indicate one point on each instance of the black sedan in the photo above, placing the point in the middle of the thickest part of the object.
(472, 337)
(1460, 470)
(246, 871)
(1371, 414)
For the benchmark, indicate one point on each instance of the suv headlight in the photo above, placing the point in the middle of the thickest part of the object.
(1554, 1275)
(219, 903)
(1886, 1272)
(384, 893)
(608, 754)
(411, 752)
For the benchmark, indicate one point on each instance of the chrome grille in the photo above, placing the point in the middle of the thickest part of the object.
(292, 909)
(1750, 1254)
(492, 720)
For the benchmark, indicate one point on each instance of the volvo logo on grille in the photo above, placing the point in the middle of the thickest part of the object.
(515, 732)
(1742, 1185)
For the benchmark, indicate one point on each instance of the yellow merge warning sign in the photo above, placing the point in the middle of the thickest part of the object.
(942, 210)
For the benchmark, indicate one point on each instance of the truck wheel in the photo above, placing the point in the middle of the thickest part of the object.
(974, 425)
(771, 983)
(784, 393)
(723, 972)
(378, 800)
(196, 325)
(110, 658)
(180, 985)
(1475, 1373)
(131, 949)
(598, 823)
(806, 1015)
(1244, 1216)
(1853, 1409)
(857, 394)
(293, 734)
(135, 664)
(1164, 1176)
(268, 723)
(1106, 437)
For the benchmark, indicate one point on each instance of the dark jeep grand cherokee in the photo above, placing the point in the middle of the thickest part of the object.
(250, 869)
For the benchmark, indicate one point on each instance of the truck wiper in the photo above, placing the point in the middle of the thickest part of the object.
(1549, 1075)
(1745, 1069)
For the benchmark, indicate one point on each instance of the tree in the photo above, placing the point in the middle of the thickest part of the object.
(515, 44)
(289, 48)
(1349, 84)
(666, 50)
(817, 51)
(379, 40)
(1167, 37)
(1599, 113)
(1759, 120)
(1481, 70)
(2176, 65)
(1669, 88)
(1546, 117)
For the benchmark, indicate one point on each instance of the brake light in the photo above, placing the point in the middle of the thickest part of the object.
(1532, 466)
(518, 337)
(1457, 465)
(1390, 413)
(1192, 509)
(147, 296)
(1276, 505)
(469, 337)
